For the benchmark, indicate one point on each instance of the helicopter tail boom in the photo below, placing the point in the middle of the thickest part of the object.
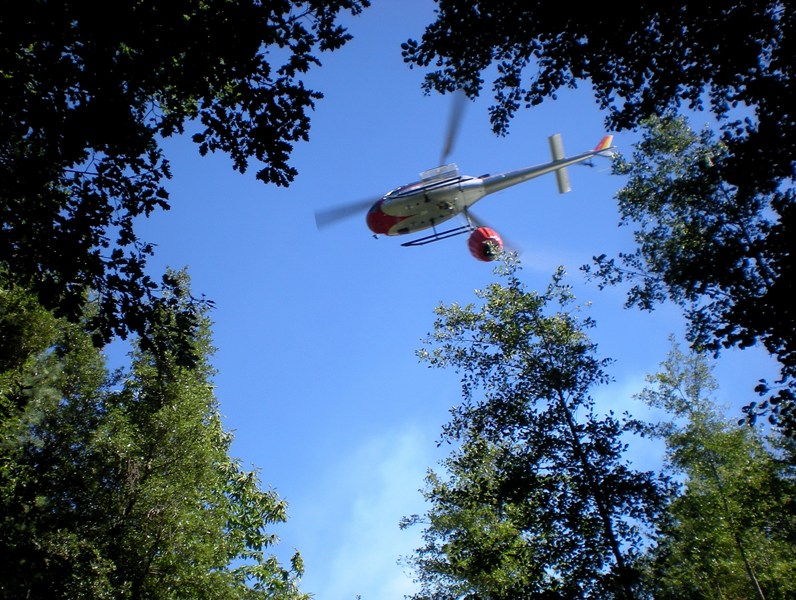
(494, 183)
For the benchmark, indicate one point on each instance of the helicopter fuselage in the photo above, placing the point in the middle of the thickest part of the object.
(425, 204)
(442, 193)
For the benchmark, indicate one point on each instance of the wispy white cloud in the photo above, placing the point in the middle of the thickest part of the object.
(349, 532)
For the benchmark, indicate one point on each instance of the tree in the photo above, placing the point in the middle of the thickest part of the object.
(725, 258)
(120, 485)
(640, 61)
(729, 532)
(644, 62)
(539, 501)
(85, 99)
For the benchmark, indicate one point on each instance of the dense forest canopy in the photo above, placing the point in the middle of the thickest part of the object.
(120, 484)
(640, 61)
(541, 495)
(87, 96)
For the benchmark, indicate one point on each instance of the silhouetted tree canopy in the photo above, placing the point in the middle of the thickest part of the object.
(640, 60)
(724, 257)
(87, 95)
(730, 197)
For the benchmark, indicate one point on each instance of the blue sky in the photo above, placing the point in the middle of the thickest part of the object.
(317, 331)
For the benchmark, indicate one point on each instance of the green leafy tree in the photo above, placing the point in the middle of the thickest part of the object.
(730, 531)
(25, 327)
(120, 484)
(539, 501)
(715, 218)
(724, 257)
(87, 96)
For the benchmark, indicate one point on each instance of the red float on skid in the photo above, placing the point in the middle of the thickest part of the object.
(442, 194)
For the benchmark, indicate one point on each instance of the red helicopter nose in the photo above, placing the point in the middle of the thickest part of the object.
(485, 244)
(379, 222)
(375, 219)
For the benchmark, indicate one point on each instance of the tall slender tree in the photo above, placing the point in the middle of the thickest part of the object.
(731, 529)
(539, 500)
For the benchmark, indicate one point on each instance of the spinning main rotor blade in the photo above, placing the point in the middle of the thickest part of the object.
(330, 216)
(457, 110)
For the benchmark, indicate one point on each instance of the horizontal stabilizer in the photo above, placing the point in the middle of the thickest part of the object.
(557, 152)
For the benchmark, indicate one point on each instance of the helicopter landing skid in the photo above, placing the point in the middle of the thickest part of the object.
(437, 236)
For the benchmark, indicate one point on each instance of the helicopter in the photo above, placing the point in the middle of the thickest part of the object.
(442, 193)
